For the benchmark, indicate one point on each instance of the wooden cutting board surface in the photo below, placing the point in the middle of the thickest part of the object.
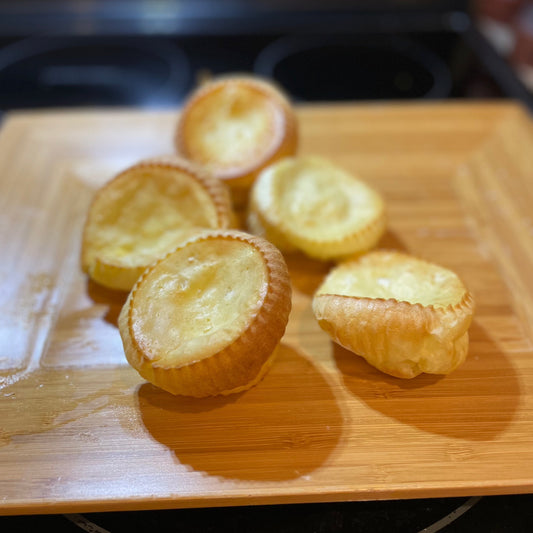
(81, 431)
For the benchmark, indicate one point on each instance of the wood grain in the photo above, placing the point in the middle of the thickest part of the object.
(81, 431)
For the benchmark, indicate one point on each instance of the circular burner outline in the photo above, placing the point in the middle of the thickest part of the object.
(176, 83)
(282, 48)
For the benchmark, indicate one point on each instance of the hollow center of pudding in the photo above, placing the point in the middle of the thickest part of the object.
(147, 212)
(411, 281)
(234, 126)
(320, 199)
(198, 300)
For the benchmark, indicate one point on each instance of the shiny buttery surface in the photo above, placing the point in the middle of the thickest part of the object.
(144, 210)
(82, 431)
(403, 278)
(215, 131)
(199, 299)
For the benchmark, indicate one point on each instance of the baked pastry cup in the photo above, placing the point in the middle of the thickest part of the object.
(402, 314)
(235, 126)
(310, 204)
(207, 319)
(144, 212)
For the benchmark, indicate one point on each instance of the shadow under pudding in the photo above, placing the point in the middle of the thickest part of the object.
(475, 402)
(113, 299)
(283, 428)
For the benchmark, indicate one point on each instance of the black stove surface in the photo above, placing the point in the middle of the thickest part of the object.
(489, 514)
(159, 71)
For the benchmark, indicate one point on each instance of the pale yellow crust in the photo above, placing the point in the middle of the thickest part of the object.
(399, 337)
(258, 225)
(146, 210)
(257, 126)
(232, 362)
(309, 204)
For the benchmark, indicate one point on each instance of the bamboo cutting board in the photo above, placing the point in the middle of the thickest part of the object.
(81, 431)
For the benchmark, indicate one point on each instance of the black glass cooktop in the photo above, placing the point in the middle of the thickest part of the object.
(159, 71)
(489, 514)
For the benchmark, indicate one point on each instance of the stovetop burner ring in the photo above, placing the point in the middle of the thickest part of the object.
(357, 67)
(89, 70)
